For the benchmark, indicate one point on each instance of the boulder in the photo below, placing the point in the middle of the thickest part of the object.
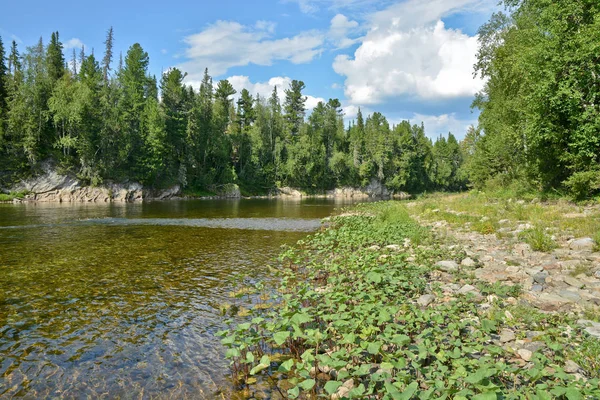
(582, 244)
(447, 265)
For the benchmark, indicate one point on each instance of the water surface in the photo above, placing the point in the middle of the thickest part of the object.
(123, 300)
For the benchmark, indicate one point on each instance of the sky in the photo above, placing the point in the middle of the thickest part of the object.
(408, 59)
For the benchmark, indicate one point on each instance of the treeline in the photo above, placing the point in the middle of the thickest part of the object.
(104, 123)
(540, 109)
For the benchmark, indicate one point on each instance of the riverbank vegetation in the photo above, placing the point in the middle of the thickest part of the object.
(378, 306)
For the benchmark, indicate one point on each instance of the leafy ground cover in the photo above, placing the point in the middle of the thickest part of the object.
(359, 313)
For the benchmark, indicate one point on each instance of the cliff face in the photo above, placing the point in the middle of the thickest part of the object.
(54, 187)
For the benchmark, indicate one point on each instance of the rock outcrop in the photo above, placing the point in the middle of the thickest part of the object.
(52, 186)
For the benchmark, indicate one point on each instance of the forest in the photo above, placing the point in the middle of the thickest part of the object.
(124, 124)
(539, 127)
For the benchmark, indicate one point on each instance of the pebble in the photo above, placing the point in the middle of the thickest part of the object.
(569, 280)
(571, 367)
(447, 265)
(506, 335)
(525, 354)
(467, 289)
(426, 300)
(540, 277)
(468, 262)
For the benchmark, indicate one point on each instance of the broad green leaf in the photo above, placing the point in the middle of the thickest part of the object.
(281, 337)
(307, 384)
(332, 386)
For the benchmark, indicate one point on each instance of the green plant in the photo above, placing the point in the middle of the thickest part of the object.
(538, 239)
(347, 312)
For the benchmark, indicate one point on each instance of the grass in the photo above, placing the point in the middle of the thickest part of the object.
(482, 212)
(538, 239)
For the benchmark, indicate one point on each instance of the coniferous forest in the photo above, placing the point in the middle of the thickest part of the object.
(119, 123)
(106, 118)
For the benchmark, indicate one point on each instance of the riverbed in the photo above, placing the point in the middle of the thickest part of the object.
(124, 300)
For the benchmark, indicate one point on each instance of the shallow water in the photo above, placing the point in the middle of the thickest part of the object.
(123, 300)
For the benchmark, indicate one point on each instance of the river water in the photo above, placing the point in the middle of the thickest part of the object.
(123, 300)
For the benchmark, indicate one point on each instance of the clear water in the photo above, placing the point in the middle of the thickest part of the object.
(123, 300)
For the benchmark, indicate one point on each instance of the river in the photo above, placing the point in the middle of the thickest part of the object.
(123, 300)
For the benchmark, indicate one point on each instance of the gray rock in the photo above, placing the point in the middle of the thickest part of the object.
(393, 247)
(591, 327)
(374, 248)
(582, 244)
(467, 289)
(571, 367)
(537, 288)
(468, 262)
(447, 265)
(551, 302)
(506, 335)
(540, 277)
(425, 300)
(569, 280)
(567, 294)
(525, 354)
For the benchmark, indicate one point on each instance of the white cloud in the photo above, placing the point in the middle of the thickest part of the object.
(73, 43)
(164, 51)
(436, 125)
(312, 6)
(408, 51)
(265, 89)
(339, 30)
(227, 44)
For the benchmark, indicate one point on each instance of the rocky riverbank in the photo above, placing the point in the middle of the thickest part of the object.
(52, 186)
(456, 296)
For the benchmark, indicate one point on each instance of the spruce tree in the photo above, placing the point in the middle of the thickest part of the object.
(294, 107)
(55, 60)
(108, 54)
(3, 79)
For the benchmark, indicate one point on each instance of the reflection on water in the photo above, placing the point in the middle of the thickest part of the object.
(123, 300)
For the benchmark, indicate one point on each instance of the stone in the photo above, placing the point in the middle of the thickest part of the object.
(506, 335)
(467, 289)
(393, 247)
(569, 280)
(425, 300)
(537, 288)
(374, 248)
(468, 262)
(525, 354)
(343, 390)
(511, 269)
(447, 265)
(540, 277)
(571, 367)
(567, 294)
(503, 221)
(582, 244)
(591, 327)
(551, 302)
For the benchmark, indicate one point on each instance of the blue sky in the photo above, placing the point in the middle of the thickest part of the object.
(410, 59)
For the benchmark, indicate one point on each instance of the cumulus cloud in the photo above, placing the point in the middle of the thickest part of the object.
(436, 125)
(265, 89)
(339, 30)
(408, 51)
(227, 44)
(73, 43)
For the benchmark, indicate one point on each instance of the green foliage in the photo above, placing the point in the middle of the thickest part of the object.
(350, 309)
(538, 109)
(538, 239)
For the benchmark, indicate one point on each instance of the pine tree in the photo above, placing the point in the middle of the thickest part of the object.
(14, 59)
(294, 107)
(55, 60)
(3, 80)
(108, 54)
